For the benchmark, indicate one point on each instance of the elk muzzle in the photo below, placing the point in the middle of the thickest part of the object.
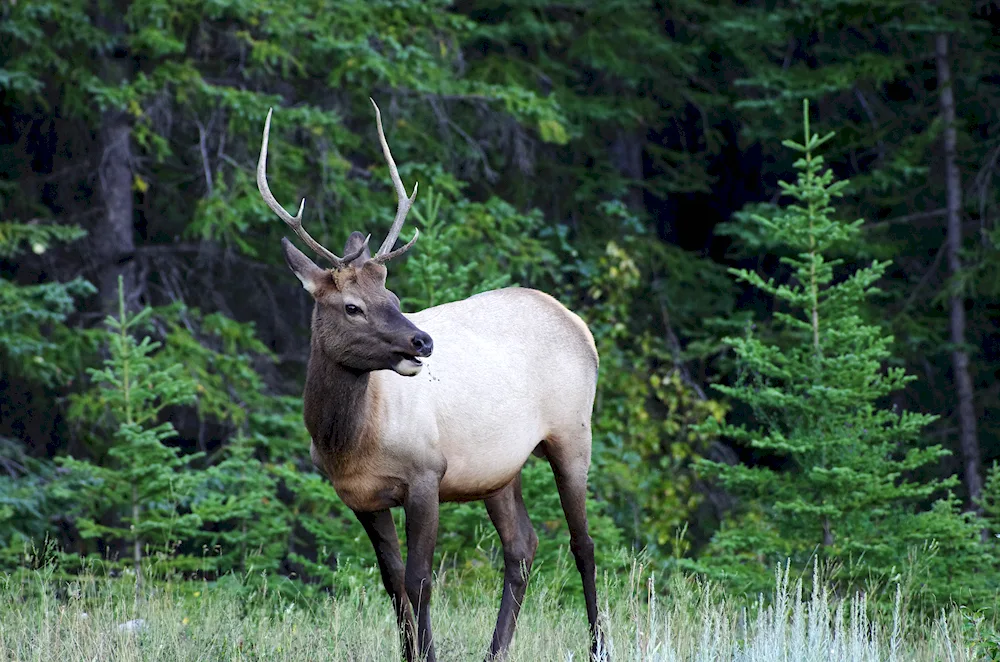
(421, 346)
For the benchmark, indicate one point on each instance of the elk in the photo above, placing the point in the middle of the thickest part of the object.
(442, 405)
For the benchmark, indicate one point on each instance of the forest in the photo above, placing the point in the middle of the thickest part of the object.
(780, 221)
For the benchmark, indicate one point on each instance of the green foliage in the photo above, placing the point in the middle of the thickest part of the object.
(36, 344)
(433, 273)
(244, 525)
(218, 356)
(34, 339)
(990, 500)
(846, 491)
(645, 415)
(16, 237)
(25, 503)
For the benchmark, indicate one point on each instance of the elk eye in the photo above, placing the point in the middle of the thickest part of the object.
(351, 309)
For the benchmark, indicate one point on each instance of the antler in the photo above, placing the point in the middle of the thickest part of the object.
(385, 252)
(295, 222)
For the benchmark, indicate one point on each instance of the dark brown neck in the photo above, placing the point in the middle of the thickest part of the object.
(337, 404)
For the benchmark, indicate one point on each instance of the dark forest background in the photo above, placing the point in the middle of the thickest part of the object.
(617, 154)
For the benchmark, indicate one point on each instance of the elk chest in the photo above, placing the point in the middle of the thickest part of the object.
(362, 483)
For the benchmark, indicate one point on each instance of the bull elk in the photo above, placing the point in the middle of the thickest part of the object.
(513, 372)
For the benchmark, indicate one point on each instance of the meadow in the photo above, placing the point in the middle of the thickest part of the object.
(679, 619)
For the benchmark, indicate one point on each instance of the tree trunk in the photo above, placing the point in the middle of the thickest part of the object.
(112, 239)
(625, 153)
(968, 438)
(137, 543)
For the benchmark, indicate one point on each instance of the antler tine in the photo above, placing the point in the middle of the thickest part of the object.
(403, 204)
(294, 222)
(385, 257)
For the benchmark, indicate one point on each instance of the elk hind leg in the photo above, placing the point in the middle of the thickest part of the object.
(510, 517)
(569, 457)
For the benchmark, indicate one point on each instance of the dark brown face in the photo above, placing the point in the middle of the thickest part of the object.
(357, 321)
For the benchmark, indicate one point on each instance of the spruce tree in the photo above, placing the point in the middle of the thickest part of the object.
(135, 494)
(846, 491)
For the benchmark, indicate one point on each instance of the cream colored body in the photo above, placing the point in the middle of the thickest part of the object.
(510, 369)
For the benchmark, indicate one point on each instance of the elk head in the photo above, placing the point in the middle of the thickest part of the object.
(356, 321)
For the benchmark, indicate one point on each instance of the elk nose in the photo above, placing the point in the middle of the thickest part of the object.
(422, 344)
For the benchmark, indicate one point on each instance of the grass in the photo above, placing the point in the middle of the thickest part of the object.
(45, 619)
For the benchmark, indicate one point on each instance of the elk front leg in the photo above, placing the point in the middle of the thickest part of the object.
(381, 529)
(421, 507)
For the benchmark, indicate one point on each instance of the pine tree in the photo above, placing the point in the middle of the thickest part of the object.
(845, 493)
(135, 495)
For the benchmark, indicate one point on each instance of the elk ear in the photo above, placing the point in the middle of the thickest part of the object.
(353, 244)
(304, 268)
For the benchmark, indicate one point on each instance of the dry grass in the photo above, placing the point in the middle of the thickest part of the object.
(47, 620)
